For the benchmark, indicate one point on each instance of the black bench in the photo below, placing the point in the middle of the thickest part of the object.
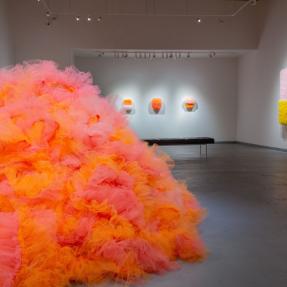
(189, 141)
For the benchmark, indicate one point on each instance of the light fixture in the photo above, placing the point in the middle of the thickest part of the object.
(78, 18)
(198, 18)
(48, 14)
(212, 54)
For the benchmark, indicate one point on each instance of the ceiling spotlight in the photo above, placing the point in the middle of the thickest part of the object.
(38, 1)
(89, 19)
(198, 20)
(212, 54)
(48, 14)
(188, 55)
(77, 18)
(99, 19)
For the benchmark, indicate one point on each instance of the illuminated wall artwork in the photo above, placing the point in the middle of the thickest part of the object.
(156, 105)
(282, 105)
(128, 105)
(189, 105)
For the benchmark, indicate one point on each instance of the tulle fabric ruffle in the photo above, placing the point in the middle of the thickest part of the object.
(9, 248)
(82, 199)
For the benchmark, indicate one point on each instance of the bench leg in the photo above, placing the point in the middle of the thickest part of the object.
(200, 150)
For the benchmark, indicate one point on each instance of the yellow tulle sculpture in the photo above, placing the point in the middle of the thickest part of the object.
(283, 112)
(82, 199)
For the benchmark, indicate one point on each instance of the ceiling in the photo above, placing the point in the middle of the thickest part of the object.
(124, 25)
(147, 7)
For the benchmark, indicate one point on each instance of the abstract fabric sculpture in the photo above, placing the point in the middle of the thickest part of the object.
(282, 104)
(156, 104)
(82, 199)
(189, 104)
(127, 105)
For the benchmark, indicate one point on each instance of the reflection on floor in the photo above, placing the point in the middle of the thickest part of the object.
(244, 190)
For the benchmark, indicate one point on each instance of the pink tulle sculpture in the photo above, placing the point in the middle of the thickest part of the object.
(82, 199)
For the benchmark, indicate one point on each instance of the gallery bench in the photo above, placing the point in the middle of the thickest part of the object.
(201, 141)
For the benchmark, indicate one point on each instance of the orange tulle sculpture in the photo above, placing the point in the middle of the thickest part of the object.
(82, 199)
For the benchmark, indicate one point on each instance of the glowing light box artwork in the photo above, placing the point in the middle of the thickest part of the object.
(156, 105)
(189, 104)
(282, 104)
(128, 105)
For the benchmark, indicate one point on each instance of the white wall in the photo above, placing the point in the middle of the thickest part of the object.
(211, 82)
(35, 40)
(6, 57)
(259, 74)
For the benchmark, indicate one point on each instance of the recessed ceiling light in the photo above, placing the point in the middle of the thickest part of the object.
(78, 18)
(48, 14)
(89, 18)
(199, 20)
(99, 19)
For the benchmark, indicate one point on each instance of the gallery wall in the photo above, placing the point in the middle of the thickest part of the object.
(35, 40)
(211, 82)
(259, 74)
(6, 51)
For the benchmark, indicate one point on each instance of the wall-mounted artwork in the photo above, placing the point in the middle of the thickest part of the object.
(189, 105)
(128, 105)
(282, 105)
(156, 105)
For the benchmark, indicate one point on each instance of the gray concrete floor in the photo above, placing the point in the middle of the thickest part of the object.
(244, 189)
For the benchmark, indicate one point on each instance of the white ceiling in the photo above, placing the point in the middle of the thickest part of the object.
(146, 7)
(150, 25)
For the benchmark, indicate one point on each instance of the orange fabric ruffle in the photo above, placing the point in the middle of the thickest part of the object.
(82, 199)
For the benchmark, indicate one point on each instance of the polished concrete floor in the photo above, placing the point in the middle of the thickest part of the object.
(244, 189)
